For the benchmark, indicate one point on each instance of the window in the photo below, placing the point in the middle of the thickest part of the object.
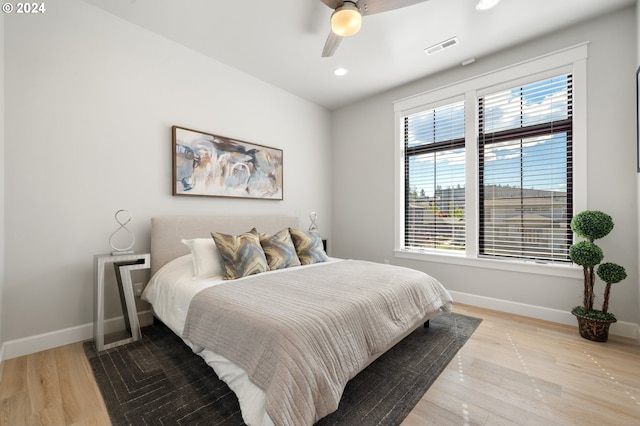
(435, 178)
(525, 171)
(491, 169)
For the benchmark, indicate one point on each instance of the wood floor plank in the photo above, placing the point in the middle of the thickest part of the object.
(51, 415)
(14, 377)
(80, 394)
(444, 407)
(534, 372)
(45, 399)
(96, 419)
(14, 410)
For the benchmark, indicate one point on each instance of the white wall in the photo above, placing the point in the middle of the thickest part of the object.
(2, 180)
(363, 168)
(638, 136)
(90, 101)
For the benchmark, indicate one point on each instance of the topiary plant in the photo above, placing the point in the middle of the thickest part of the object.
(593, 225)
(610, 273)
(587, 255)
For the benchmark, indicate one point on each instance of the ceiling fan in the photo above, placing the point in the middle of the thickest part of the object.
(346, 18)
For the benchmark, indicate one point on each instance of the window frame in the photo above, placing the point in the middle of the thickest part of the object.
(435, 147)
(486, 141)
(570, 60)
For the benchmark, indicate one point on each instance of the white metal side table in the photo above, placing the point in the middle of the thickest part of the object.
(123, 265)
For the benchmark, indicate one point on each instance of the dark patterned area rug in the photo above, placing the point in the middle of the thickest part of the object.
(159, 381)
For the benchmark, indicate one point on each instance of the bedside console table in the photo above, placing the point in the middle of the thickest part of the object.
(123, 265)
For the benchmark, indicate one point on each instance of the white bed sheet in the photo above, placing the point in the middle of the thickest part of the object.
(170, 292)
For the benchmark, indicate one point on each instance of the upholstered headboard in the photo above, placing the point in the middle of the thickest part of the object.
(168, 231)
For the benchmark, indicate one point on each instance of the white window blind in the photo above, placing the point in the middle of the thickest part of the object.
(525, 171)
(434, 147)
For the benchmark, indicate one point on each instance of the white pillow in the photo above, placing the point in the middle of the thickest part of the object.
(206, 257)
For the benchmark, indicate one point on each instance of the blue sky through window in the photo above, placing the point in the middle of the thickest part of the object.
(442, 168)
(543, 159)
(436, 125)
(542, 163)
(540, 102)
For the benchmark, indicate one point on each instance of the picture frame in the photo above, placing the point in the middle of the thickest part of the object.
(210, 165)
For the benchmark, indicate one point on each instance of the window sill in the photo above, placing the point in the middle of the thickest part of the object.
(529, 267)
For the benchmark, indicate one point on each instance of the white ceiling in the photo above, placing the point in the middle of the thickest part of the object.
(280, 42)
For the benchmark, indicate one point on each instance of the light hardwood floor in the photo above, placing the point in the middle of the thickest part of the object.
(513, 371)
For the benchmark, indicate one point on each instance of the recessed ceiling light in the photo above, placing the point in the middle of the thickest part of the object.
(486, 4)
(340, 71)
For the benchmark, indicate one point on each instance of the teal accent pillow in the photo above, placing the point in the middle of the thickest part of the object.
(242, 255)
(308, 246)
(279, 249)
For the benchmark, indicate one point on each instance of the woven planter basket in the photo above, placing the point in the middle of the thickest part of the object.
(593, 329)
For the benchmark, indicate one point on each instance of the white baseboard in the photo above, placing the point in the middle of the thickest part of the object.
(620, 328)
(53, 339)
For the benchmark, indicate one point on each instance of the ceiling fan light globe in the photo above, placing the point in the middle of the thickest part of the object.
(346, 20)
(486, 4)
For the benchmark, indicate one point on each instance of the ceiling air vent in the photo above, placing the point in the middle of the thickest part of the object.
(442, 45)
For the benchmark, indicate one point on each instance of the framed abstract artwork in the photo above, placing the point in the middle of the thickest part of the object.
(209, 165)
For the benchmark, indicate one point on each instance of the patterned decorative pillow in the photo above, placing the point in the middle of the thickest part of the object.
(308, 246)
(242, 255)
(279, 249)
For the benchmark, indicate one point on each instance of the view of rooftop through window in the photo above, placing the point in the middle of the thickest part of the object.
(435, 178)
(525, 160)
(524, 167)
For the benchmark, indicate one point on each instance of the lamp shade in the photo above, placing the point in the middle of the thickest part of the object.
(346, 20)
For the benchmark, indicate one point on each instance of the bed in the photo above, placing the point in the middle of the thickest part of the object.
(286, 337)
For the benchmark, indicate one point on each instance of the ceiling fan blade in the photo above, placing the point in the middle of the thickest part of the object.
(333, 4)
(370, 7)
(331, 45)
